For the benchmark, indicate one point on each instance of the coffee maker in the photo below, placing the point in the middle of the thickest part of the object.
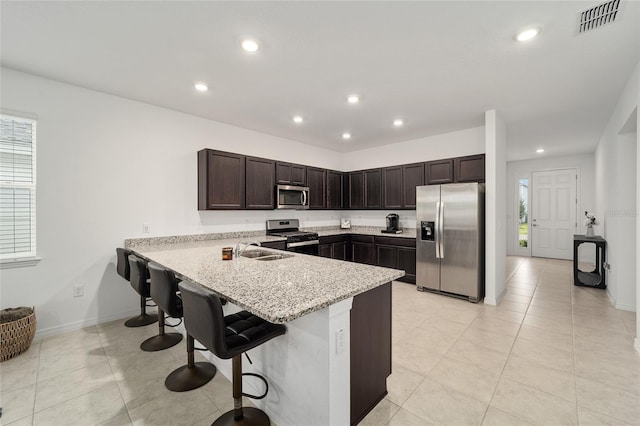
(393, 224)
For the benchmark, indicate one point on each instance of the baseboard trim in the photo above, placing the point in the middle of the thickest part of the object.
(623, 307)
(77, 325)
(497, 300)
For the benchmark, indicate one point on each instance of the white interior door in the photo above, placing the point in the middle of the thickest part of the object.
(553, 218)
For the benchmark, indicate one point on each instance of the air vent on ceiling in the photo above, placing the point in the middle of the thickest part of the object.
(597, 16)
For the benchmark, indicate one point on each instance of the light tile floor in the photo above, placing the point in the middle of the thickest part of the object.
(549, 354)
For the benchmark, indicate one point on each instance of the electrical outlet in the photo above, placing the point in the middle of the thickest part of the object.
(340, 344)
(78, 290)
(145, 228)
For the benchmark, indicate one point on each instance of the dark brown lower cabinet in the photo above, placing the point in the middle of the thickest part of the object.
(370, 349)
(397, 253)
(325, 250)
(334, 247)
(363, 249)
(278, 245)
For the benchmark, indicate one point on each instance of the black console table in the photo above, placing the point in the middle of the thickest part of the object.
(595, 278)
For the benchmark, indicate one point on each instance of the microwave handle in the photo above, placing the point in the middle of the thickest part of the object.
(304, 198)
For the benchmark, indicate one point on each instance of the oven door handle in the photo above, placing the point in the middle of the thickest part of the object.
(303, 243)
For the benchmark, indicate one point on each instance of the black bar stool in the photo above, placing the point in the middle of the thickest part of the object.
(138, 278)
(228, 337)
(164, 291)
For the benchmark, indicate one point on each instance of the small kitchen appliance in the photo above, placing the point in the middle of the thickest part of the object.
(393, 224)
(296, 240)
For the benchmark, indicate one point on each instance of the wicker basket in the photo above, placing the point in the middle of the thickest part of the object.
(16, 336)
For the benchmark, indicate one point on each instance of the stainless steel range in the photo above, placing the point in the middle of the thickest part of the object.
(297, 241)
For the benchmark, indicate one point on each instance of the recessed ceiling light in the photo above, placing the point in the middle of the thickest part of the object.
(398, 122)
(250, 46)
(353, 99)
(540, 150)
(528, 34)
(201, 87)
(346, 136)
(298, 119)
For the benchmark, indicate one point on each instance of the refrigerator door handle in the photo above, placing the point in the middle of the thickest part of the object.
(441, 230)
(437, 230)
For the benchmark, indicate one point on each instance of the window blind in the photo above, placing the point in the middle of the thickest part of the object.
(17, 187)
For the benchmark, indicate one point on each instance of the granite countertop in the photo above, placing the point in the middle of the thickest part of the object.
(278, 291)
(362, 230)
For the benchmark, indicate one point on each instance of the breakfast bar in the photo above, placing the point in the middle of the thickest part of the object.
(331, 365)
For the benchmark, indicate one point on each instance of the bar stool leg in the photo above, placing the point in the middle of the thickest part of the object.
(162, 340)
(241, 416)
(144, 318)
(190, 376)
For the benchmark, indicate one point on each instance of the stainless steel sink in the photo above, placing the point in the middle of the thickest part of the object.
(264, 255)
(274, 257)
(255, 253)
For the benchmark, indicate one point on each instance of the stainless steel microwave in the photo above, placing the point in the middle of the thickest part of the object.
(292, 197)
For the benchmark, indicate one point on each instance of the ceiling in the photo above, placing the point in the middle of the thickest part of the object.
(438, 65)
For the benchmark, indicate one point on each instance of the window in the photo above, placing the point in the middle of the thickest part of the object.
(523, 213)
(17, 188)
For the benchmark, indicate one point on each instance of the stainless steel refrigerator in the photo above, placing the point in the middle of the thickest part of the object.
(450, 239)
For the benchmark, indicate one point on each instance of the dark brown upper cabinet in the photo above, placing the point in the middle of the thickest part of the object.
(221, 180)
(356, 190)
(260, 183)
(335, 190)
(373, 189)
(412, 176)
(392, 187)
(291, 174)
(235, 182)
(440, 171)
(317, 181)
(470, 169)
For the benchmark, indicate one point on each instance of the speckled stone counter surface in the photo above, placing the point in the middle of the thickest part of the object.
(361, 230)
(279, 290)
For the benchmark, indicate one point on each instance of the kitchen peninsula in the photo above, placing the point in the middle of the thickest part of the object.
(331, 366)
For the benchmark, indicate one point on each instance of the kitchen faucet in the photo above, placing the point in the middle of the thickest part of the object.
(238, 251)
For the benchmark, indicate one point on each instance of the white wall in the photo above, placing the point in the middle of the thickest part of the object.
(614, 187)
(106, 165)
(584, 164)
(446, 145)
(496, 208)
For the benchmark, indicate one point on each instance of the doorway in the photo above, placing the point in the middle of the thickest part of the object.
(553, 199)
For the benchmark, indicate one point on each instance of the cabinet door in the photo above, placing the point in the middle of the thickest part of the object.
(221, 180)
(316, 180)
(407, 261)
(392, 187)
(298, 175)
(438, 172)
(356, 190)
(363, 253)
(469, 169)
(340, 250)
(283, 173)
(335, 187)
(373, 189)
(325, 250)
(260, 183)
(412, 176)
(387, 256)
